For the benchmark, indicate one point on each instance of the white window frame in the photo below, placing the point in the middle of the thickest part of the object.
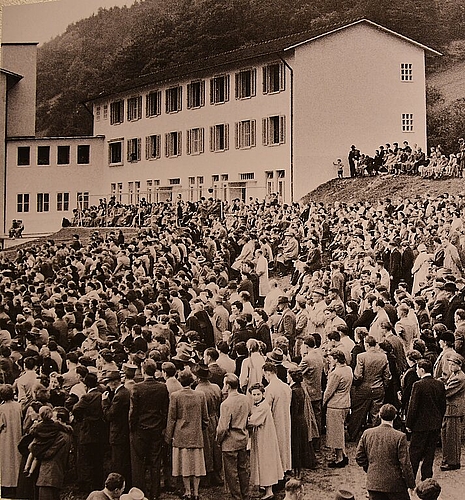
(407, 122)
(134, 111)
(105, 111)
(43, 162)
(173, 144)
(274, 130)
(110, 155)
(195, 141)
(23, 149)
(153, 104)
(82, 200)
(62, 202)
(117, 112)
(97, 113)
(134, 150)
(245, 134)
(153, 147)
(196, 94)
(173, 99)
(219, 89)
(219, 137)
(23, 203)
(406, 72)
(246, 83)
(43, 202)
(63, 147)
(247, 176)
(270, 86)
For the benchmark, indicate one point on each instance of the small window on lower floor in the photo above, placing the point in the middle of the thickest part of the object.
(83, 154)
(22, 202)
(407, 122)
(62, 202)
(43, 202)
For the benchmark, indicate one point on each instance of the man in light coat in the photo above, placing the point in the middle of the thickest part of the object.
(383, 453)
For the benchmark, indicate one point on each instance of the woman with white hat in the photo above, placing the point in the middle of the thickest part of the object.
(420, 267)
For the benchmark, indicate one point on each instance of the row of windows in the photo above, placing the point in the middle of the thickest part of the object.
(273, 133)
(23, 201)
(273, 81)
(63, 155)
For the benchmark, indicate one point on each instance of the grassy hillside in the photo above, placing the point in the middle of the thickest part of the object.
(377, 188)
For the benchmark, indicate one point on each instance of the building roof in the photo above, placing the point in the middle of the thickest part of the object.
(11, 78)
(277, 47)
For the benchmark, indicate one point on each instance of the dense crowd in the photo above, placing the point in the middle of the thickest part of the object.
(398, 159)
(232, 346)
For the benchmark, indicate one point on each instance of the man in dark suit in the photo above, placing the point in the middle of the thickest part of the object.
(210, 358)
(383, 454)
(424, 418)
(92, 435)
(115, 406)
(147, 420)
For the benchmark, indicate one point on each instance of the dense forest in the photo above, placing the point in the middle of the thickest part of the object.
(118, 44)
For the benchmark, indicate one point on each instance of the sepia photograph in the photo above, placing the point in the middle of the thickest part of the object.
(232, 249)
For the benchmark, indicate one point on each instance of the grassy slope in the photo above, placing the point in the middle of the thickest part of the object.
(377, 188)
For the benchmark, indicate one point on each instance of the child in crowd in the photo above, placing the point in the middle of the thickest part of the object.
(340, 168)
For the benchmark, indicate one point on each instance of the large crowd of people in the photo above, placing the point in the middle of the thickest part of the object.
(235, 346)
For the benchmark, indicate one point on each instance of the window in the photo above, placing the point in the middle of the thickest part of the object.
(195, 141)
(249, 176)
(63, 155)
(97, 113)
(219, 89)
(152, 147)
(62, 202)
(273, 78)
(131, 192)
(191, 180)
(173, 99)
(406, 72)
(22, 202)
(173, 144)
(134, 108)
(115, 152)
(246, 83)
(153, 104)
(175, 181)
(196, 94)
(83, 200)
(224, 177)
(43, 155)
(24, 155)
(219, 137)
(407, 122)
(137, 190)
(200, 179)
(245, 134)
(105, 111)
(119, 192)
(133, 150)
(113, 190)
(83, 154)
(151, 195)
(43, 202)
(274, 130)
(215, 178)
(116, 112)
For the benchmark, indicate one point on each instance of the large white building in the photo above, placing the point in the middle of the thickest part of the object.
(266, 118)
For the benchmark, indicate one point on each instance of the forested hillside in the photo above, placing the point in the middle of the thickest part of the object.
(120, 43)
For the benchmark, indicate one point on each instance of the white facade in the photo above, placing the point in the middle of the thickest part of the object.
(269, 118)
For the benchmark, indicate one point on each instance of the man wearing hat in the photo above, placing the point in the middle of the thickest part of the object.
(425, 412)
(441, 366)
(115, 406)
(287, 323)
(383, 453)
(451, 434)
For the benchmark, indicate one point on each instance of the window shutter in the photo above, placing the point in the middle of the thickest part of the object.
(189, 141)
(226, 88)
(179, 143)
(179, 93)
(202, 93)
(236, 135)
(167, 145)
(237, 75)
(109, 153)
(158, 146)
(139, 111)
(167, 100)
(253, 82)
(158, 103)
(282, 129)
(212, 139)
(189, 96)
(265, 131)
(252, 132)
(212, 91)
(147, 105)
(139, 148)
(282, 77)
(265, 83)
(226, 136)
(202, 140)
(148, 140)
(128, 152)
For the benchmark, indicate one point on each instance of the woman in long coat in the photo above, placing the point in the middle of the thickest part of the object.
(337, 401)
(187, 419)
(10, 436)
(421, 267)
(265, 462)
